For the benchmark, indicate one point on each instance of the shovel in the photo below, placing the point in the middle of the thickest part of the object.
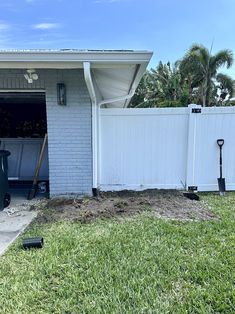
(221, 180)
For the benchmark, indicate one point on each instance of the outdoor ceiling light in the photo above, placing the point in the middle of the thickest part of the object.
(61, 94)
(31, 76)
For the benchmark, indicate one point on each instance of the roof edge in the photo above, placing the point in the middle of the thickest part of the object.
(38, 56)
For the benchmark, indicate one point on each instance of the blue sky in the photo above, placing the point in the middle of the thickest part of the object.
(167, 27)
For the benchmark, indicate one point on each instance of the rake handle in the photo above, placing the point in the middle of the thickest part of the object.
(32, 192)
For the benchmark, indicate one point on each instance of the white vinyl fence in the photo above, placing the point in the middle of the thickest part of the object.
(170, 148)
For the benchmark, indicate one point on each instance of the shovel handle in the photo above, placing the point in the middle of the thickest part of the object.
(220, 142)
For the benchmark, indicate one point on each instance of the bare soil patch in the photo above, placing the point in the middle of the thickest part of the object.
(164, 203)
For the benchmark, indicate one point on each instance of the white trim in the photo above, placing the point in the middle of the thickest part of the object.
(22, 91)
(82, 56)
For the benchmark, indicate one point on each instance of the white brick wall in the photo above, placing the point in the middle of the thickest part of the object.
(69, 128)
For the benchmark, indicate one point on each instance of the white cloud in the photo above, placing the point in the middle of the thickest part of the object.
(4, 26)
(45, 26)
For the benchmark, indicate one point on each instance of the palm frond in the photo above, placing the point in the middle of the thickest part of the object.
(200, 53)
(226, 83)
(222, 58)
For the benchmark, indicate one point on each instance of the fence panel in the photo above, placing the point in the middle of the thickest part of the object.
(166, 148)
(212, 124)
(143, 148)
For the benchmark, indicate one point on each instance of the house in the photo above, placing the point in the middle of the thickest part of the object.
(61, 92)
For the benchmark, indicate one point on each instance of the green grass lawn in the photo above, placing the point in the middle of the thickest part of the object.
(136, 265)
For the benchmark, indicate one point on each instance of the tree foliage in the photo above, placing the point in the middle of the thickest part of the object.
(161, 87)
(193, 79)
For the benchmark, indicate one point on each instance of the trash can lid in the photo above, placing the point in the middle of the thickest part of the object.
(4, 153)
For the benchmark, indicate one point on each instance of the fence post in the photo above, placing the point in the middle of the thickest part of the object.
(194, 110)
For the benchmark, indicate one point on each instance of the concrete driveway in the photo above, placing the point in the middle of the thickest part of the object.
(14, 219)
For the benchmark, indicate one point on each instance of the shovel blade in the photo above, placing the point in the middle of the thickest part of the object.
(221, 184)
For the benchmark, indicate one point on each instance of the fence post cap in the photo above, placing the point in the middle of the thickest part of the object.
(194, 106)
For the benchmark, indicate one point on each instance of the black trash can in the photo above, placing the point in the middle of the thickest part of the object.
(4, 193)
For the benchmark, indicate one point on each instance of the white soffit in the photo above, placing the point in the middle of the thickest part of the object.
(114, 83)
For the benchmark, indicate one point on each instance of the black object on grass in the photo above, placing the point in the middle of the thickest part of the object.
(192, 196)
(36, 242)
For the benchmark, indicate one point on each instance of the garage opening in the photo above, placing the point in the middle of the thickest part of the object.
(22, 130)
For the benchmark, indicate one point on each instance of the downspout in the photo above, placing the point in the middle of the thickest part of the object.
(96, 121)
(91, 90)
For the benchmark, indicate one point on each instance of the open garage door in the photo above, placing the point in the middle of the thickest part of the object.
(22, 129)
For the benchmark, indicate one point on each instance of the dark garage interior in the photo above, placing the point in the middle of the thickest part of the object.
(22, 130)
(22, 115)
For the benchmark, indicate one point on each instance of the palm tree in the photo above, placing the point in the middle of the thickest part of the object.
(161, 87)
(202, 67)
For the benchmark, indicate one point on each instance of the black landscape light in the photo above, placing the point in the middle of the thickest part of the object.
(29, 243)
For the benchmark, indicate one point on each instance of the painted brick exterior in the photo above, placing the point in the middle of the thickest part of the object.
(69, 134)
(69, 128)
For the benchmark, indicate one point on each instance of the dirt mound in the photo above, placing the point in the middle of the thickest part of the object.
(164, 203)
